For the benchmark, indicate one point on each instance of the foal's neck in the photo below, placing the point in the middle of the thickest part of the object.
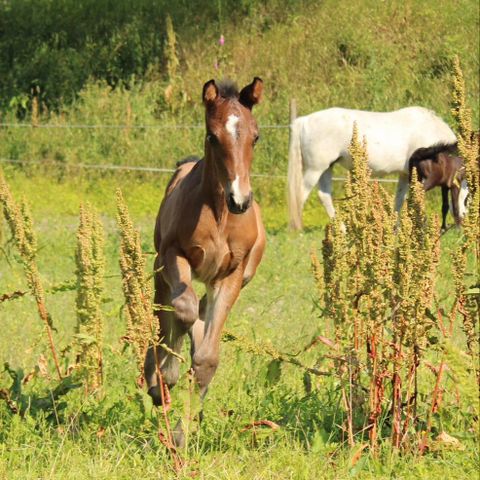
(212, 188)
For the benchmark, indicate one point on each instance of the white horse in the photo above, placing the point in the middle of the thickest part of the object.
(319, 140)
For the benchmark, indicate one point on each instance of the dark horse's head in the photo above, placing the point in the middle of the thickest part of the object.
(231, 135)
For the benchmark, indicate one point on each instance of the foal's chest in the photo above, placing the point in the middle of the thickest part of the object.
(216, 258)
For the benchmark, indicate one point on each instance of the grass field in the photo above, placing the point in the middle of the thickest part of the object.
(116, 436)
(366, 54)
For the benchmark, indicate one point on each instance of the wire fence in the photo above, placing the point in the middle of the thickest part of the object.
(118, 127)
(146, 169)
(128, 168)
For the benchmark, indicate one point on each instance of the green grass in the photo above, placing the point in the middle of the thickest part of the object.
(369, 55)
(116, 436)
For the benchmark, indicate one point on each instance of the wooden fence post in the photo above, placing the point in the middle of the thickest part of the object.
(293, 110)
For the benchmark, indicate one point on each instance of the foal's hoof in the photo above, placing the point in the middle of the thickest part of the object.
(178, 436)
(184, 430)
(157, 397)
(154, 392)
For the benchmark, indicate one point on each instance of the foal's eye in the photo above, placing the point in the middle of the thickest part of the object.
(256, 139)
(212, 139)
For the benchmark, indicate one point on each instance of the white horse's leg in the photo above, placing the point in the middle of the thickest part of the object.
(325, 191)
(402, 189)
(310, 179)
(462, 197)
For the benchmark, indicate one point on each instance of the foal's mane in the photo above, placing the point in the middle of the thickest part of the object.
(228, 89)
(431, 153)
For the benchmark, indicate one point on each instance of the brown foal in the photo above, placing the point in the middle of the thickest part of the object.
(209, 228)
(437, 168)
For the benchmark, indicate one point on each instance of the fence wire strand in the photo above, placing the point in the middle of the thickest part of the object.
(130, 168)
(147, 169)
(118, 127)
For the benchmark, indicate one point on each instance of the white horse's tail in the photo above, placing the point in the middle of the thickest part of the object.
(294, 179)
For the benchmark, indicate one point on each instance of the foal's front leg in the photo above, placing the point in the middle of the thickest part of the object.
(205, 335)
(178, 274)
(455, 194)
(444, 207)
(172, 285)
(220, 298)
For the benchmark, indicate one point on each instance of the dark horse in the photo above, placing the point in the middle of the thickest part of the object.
(438, 166)
(209, 228)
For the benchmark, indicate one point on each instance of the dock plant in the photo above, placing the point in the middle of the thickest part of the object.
(379, 274)
(90, 260)
(20, 222)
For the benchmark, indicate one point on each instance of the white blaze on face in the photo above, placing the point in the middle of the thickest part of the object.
(237, 195)
(231, 125)
(462, 209)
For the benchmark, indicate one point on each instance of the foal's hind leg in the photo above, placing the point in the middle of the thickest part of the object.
(197, 330)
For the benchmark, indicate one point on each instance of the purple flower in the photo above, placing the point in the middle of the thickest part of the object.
(221, 40)
(215, 65)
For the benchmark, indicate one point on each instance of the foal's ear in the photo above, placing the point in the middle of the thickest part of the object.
(252, 94)
(210, 92)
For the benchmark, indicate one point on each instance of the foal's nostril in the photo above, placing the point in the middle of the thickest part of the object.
(245, 205)
(238, 207)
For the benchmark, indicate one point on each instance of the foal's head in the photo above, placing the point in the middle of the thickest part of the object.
(231, 136)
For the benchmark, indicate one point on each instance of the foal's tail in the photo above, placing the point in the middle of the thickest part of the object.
(294, 179)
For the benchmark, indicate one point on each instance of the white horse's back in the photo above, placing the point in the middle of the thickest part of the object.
(392, 137)
(323, 137)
